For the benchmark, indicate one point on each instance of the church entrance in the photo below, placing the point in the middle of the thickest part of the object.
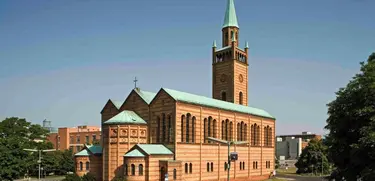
(162, 174)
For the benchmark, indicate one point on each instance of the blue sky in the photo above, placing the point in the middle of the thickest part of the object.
(62, 60)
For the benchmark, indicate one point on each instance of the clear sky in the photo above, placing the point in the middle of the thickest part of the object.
(62, 60)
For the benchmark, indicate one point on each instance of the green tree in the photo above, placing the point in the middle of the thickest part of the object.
(351, 125)
(88, 177)
(15, 135)
(72, 177)
(313, 158)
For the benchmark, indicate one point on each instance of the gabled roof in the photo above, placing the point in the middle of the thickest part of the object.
(210, 102)
(230, 18)
(126, 117)
(84, 152)
(116, 103)
(134, 153)
(154, 149)
(145, 95)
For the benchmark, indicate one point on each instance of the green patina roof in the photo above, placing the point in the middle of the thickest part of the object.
(134, 153)
(146, 96)
(95, 149)
(205, 101)
(82, 153)
(155, 149)
(230, 18)
(126, 117)
(116, 103)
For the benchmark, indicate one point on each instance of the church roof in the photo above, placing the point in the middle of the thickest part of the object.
(126, 117)
(210, 102)
(146, 96)
(84, 152)
(90, 149)
(155, 149)
(230, 18)
(134, 153)
(116, 103)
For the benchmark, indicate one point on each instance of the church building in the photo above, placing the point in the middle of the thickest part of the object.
(173, 134)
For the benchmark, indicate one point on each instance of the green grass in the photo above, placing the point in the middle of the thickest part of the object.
(292, 171)
(276, 179)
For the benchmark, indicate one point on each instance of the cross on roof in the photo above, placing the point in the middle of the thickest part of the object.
(135, 82)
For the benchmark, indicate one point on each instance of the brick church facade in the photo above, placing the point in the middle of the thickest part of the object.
(153, 135)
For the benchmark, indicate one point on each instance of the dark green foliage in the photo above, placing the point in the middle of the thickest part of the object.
(119, 178)
(88, 177)
(72, 177)
(313, 158)
(277, 164)
(351, 123)
(96, 142)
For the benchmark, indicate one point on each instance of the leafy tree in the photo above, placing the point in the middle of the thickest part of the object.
(15, 135)
(72, 177)
(277, 164)
(96, 142)
(351, 123)
(313, 158)
(88, 177)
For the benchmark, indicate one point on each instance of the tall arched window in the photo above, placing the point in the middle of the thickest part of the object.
(193, 129)
(126, 169)
(191, 168)
(164, 128)
(186, 168)
(225, 166)
(209, 127)
(240, 165)
(222, 130)
(238, 132)
(241, 98)
(182, 128)
(87, 165)
(133, 169)
(174, 174)
(245, 132)
(140, 169)
(224, 96)
(226, 129)
(265, 136)
(205, 130)
(214, 129)
(258, 135)
(80, 166)
(212, 166)
(158, 130)
(208, 167)
(231, 131)
(270, 136)
(187, 127)
(170, 129)
(242, 131)
(243, 165)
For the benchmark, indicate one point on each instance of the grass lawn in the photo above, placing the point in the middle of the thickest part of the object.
(289, 171)
(276, 179)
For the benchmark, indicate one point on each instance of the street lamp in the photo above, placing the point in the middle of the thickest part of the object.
(40, 156)
(228, 143)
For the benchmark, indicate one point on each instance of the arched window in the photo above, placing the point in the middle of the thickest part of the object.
(240, 165)
(225, 166)
(238, 132)
(186, 168)
(174, 174)
(270, 136)
(191, 168)
(265, 136)
(187, 127)
(258, 136)
(80, 166)
(205, 130)
(140, 169)
(214, 129)
(208, 167)
(243, 165)
(245, 132)
(256, 165)
(193, 129)
(241, 98)
(87, 165)
(242, 131)
(133, 169)
(231, 131)
(222, 130)
(126, 169)
(253, 165)
(182, 128)
(170, 129)
(158, 130)
(224, 96)
(164, 128)
(212, 166)
(226, 129)
(209, 127)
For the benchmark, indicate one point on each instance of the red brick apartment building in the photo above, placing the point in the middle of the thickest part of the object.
(74, 138)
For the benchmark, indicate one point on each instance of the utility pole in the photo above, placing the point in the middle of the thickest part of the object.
(227, 143)
(40, 157)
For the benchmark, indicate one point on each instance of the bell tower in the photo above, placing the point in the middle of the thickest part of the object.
(230, 63)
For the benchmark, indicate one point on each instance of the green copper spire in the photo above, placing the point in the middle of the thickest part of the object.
(247, 44)
(214, 44)
(230, 15)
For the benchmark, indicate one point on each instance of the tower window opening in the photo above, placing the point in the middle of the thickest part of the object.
(224, 96)
(241, 98)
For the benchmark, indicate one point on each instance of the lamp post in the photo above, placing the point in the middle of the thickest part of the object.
(227, 143)
(40, 156)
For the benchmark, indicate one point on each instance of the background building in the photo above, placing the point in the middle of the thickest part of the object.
(74, 138)
(289, 147)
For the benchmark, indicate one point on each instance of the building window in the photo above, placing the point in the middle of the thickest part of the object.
(208, 167)
(126, 169)
(240, 165)
(158, 130)
(253, 165)
(87, 139)
(187, 127)
(256, 165)
(80, 166)
(133, 169)
(87, 165)
(93, 137)
(224, 96)
(241, 98)
(191, 168)
(70, 148)
(174, 174)
(78, 148)
(164, 128)
(140, 169)
(71, 140)
(182, 128)
(243, 165)
(225, 166)
(78, 139)
(193, 129)
(186, 168)
(170, 129)
(212, 166)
